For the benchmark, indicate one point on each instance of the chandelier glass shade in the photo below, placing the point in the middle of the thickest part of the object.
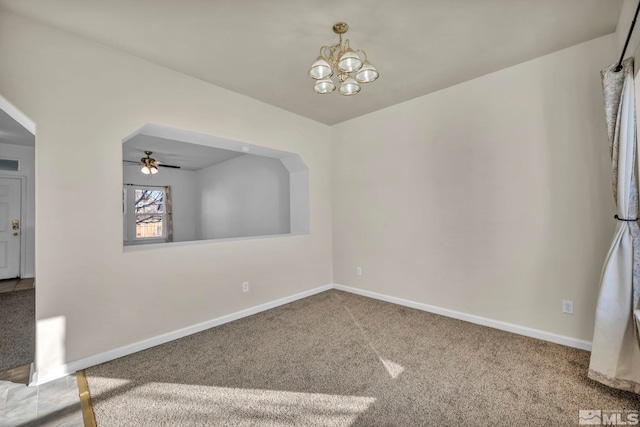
(324, 86)
(349, 87)
(351, 67)
(320, 69)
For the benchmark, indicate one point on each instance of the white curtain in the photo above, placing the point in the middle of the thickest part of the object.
(615, 356)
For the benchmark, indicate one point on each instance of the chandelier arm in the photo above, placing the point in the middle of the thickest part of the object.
(325, 49)
(363, 52)
(332, 54)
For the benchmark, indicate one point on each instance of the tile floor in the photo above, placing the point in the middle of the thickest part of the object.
(11, 285)
(54, 404)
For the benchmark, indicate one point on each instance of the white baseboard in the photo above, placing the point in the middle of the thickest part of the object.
(496, 324)
(41, 377)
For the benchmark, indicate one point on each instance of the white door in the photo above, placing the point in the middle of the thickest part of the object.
(10, 200)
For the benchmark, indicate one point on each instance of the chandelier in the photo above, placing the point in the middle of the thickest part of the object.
(340, 59)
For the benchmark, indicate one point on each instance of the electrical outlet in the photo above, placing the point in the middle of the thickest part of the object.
(567, 306)
(245, 286)
(359, 271)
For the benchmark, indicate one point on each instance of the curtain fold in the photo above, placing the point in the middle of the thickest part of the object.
(615, 354)
(169, 212)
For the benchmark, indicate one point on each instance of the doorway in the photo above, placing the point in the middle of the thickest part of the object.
(17, 244)
(10, 220)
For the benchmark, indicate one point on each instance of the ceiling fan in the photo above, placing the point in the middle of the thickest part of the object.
(149, 164)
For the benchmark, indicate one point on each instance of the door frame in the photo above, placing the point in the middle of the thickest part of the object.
(29, 125)
(23, 210)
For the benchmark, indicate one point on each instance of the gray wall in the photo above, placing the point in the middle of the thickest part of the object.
(244, 196)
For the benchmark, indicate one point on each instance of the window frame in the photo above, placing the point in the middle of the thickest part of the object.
(130, 216)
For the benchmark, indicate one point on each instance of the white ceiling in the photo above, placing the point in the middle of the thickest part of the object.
(191, 157)
(12, 132)
(263, 49)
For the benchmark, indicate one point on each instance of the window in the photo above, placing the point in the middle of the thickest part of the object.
(149, 211)
(9, 165)
(145, 214)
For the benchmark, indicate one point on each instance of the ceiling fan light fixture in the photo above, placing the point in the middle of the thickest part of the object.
(148, 164)
(149, 170)
(351, 66)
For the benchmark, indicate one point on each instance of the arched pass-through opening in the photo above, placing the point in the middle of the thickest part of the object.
(17, 244)
(181, 187)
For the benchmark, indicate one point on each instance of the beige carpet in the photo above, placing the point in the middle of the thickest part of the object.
(337, 359)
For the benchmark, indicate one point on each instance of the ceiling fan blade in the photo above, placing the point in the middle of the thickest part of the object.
(155, 163)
